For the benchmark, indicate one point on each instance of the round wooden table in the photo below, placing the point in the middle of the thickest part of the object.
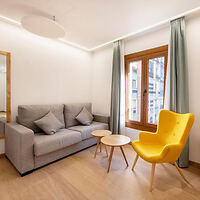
(115, 141)
(99, 134)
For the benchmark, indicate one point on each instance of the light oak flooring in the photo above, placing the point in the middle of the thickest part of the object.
(81, 177)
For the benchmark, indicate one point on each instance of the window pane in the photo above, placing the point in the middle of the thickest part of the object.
(135, 90)
(156, 88)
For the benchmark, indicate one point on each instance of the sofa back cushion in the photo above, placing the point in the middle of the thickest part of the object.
(72, 110)
(27, 114)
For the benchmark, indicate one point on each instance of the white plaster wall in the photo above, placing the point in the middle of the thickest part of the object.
(193, 44)
(102, 63)
(101, 80)
(147, 41)
(44, 71)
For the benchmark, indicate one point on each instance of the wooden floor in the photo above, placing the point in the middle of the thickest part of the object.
(81, 177)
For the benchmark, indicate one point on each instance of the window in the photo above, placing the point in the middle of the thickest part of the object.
(145, 87)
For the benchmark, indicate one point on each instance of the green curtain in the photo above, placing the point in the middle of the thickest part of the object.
(116, 89)
(179, 97)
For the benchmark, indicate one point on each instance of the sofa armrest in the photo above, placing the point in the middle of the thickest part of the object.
(101, 118)
(19, 142)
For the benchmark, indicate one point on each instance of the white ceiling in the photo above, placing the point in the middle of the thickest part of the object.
(90, 23)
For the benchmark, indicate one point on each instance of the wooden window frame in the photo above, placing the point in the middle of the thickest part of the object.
(144, 56)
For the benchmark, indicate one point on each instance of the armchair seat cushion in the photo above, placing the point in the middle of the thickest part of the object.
(149, 152)
(87, 130)
(44, 144)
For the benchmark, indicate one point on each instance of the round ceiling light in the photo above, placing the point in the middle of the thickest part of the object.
(43, 26)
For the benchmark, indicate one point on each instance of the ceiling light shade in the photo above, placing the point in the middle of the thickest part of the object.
(43, 26)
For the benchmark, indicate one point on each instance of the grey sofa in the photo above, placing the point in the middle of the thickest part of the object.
(28, 148)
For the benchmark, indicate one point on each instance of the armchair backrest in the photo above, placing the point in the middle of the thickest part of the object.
(174, 128)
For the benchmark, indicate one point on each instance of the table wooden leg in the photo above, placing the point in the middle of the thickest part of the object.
(100, 146)
(97, 147)
(124, 155)
(110, 158)
(106, 150)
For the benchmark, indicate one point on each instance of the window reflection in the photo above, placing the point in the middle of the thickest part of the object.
(156, 88)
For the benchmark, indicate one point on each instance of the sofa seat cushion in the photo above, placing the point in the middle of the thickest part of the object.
(44, 144)
(87, 130)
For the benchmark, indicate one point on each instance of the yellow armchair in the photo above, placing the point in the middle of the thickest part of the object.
(167, 143)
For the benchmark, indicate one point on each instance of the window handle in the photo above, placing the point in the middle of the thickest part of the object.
(145, 91)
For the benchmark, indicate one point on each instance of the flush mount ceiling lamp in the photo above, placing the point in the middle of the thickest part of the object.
(43, 26)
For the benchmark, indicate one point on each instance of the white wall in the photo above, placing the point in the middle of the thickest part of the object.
(147, 41)
(44, 71)
(101, 80)
(193, 44)
(102, 63)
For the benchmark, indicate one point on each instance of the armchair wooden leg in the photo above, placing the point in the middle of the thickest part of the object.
(181, 173)
(152, 176)
(136, 158)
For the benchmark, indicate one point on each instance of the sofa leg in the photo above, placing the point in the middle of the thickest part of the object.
(21, 174)
(26, 173)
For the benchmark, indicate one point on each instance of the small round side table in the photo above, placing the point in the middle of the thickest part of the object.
(115, 141)
(99, 134)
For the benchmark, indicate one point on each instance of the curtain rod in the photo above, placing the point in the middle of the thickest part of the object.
(148, 28)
